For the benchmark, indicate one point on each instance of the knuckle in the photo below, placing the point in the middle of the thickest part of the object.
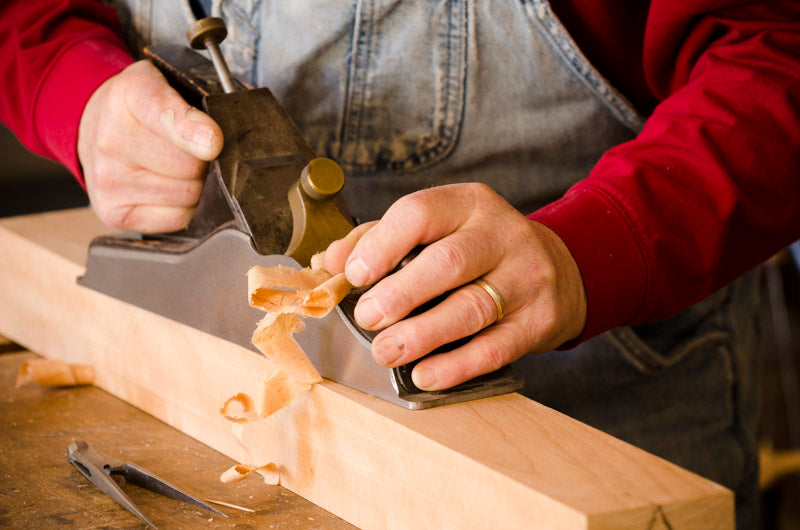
(547, 322)
(396, 300)
(475, 312)
(447, 257)
(479, 189)
(411, 210)
(117, 216)
(193, 191)
(493, 358)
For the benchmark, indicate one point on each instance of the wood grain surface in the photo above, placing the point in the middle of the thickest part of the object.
(40, 489)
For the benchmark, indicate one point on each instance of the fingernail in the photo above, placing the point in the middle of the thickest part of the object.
(368, 312)
(357, 272)
(202, 137)
(424, 378)
(387, 350)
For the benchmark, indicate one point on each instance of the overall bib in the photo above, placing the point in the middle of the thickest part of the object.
(409, 94)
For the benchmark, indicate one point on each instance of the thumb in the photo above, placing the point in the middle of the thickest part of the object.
(161, 110)
(192, 130)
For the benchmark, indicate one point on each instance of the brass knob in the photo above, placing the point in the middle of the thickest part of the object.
(206, 28)
(322, 179)
(207, 33)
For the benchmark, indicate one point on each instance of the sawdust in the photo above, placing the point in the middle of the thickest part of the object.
(51, 372)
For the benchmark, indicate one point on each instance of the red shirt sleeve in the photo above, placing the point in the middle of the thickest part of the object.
(53, 55)
(710, 188)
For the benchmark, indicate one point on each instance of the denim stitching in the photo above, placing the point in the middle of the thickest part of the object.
(563, 45)
(737, 422)
(645, 358)
(357, 76)
(449, 107)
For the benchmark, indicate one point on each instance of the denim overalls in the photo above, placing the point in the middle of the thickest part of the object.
(406, 94)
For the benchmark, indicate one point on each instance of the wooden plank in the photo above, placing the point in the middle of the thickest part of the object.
(504, 462)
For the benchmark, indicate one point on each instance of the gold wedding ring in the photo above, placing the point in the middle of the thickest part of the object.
(496, 298)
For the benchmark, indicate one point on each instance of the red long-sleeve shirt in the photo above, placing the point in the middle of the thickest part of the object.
(709, 189)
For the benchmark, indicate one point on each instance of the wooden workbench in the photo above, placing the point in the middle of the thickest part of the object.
(40, 489)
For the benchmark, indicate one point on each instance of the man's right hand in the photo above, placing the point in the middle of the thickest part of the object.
(144, 151)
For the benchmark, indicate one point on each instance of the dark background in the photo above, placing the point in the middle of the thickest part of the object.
(29, 183)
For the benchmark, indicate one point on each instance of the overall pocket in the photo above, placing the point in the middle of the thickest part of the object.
(406, 83)
(654, 347)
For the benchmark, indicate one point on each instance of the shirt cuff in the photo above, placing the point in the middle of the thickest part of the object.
(73, 77)
(606, 248)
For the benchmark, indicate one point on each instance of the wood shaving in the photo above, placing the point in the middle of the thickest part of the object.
(274, 337)
(287, 295)
(317, 262)
(282, 289)
(231, 505)
(276, 391)
(303, 292)
(238, 408)
(50, 372)
(268, 472)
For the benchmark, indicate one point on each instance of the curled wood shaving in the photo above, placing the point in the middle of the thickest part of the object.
(274, 337)
(275, 392)
(282, 289)
(305, 292)
(51, 372)
(268, 472)
(238, 408)
(287, 295)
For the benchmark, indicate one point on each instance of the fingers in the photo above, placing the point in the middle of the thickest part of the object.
(143, 151)
(488, 351)
(457, 221)
(415, 219)
(337, 252)
(464, 312)
(163, 112)
(455, 260)
(148, 218)
(141, 187)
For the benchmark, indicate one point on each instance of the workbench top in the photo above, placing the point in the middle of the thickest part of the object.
(40, 489)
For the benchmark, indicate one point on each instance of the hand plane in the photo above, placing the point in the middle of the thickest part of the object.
(267, 200)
